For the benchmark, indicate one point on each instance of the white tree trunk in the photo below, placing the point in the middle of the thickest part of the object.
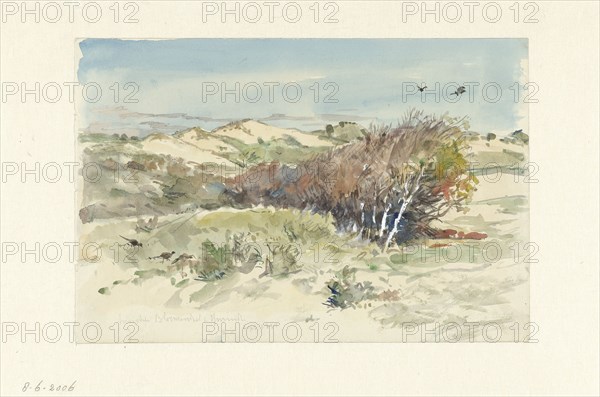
(362, 219)
(373, 215)
(408, 196)
(384, 219)
(395, 228)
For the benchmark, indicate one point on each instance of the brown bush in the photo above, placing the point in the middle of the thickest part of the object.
(387, 187)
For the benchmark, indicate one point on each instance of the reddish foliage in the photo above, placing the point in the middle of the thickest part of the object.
(472, 236)
(446, 233)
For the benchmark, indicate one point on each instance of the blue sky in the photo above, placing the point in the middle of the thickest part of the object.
(366, 80)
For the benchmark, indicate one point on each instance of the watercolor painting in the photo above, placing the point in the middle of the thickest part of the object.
(351, 190)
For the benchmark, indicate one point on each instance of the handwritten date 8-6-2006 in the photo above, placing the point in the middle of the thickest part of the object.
(42, 386)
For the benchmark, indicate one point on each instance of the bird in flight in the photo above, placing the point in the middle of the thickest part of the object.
(459, 91)
(165, 256)
(132, 242)
(422, 88)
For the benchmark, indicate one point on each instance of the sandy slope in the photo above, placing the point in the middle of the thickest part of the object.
(204, 140)
(169, 145)
(250, 130)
